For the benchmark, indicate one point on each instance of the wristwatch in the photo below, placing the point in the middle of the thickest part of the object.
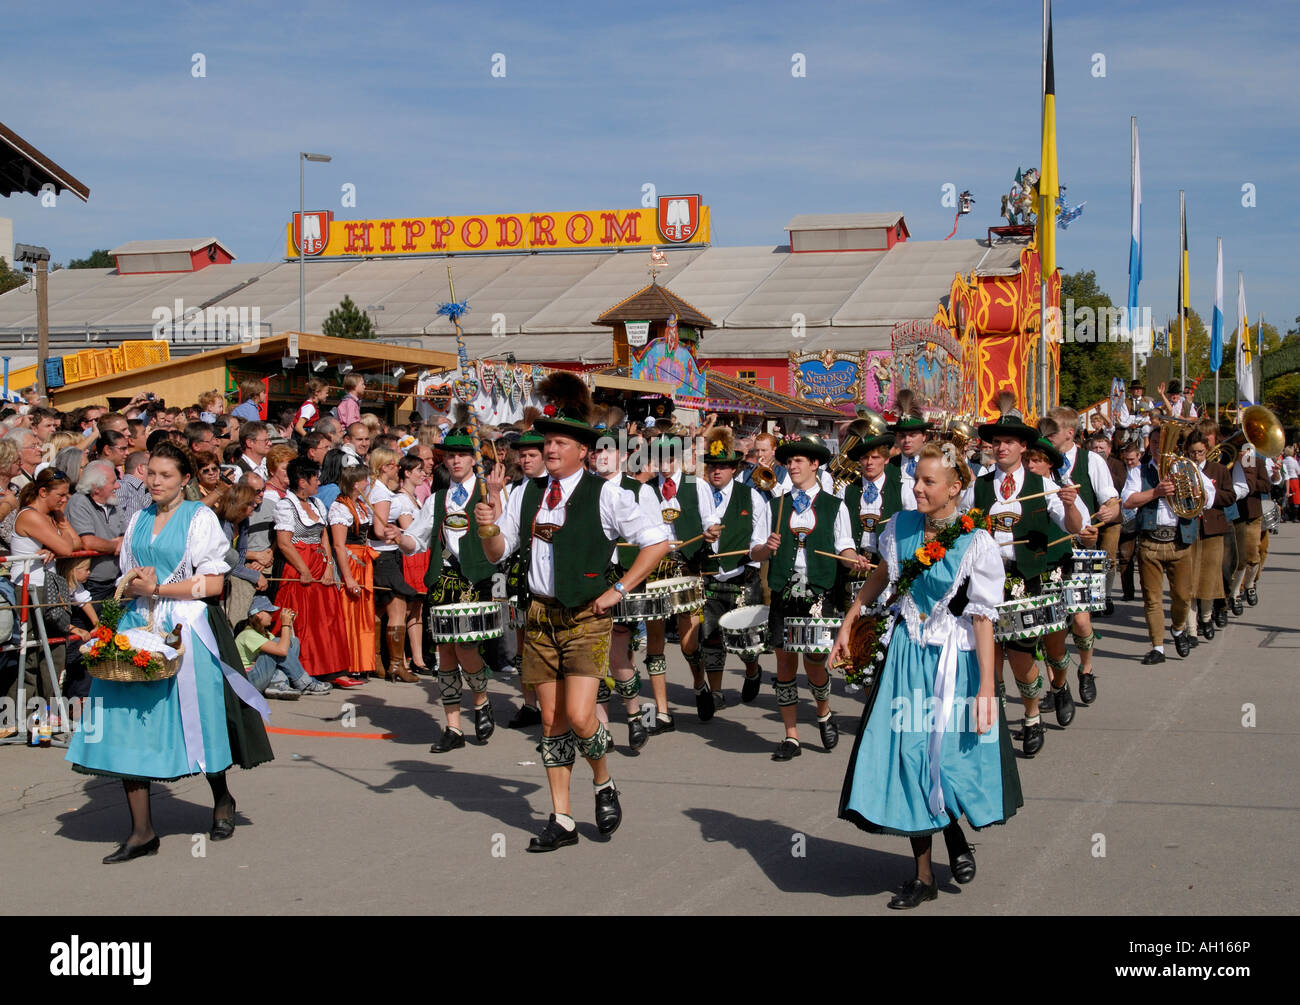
(622, 590)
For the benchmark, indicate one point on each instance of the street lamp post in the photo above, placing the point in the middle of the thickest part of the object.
(302, 213)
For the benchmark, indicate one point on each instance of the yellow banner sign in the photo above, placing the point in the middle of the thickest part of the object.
(684, 221)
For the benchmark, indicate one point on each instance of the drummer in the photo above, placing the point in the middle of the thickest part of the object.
(872, 500)
(736, 521)
(1097, 492)
(532, 464)
(678, 500)
(1042, 458)
(809, 524)
(1022, 532)
(459, 573)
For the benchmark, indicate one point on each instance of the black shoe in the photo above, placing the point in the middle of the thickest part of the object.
(830, 733)
(1153, 657)
(1182, 644)
(525, 717)
(913, 894)
(668, 725)
(125, 853)
(787, 749)
(637, 734)
(1252, 596)
(608, 813)
(1237, 609)
(960, 855)
(1110, 608)
(1033, 739)
(223, 828)
(1047, 702)
(1064, 706)
(1221, 616)
(704, 703)
(749, 689)
(1205, 629)
(484, 724)
(1129, 595)
(1087, 688)
(553, 836)
(451, 739)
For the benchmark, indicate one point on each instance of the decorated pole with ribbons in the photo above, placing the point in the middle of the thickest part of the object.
(467, 390)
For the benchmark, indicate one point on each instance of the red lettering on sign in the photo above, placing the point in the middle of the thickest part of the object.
(480, 228)
(387, 243)
(442, 226)
(358, 237)
(620, 233)
(542, 227)
(588, 228)
(511, 231)
(413, 229)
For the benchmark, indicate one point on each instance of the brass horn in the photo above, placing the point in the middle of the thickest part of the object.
(844, 470)
(763, 478)
(1188, 500)
(1259, 427)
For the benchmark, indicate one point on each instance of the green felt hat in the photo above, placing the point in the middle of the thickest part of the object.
(457, 443)
(860, 449)
(720, 448)
(1054, 457)
(530, 440)
(1008, 425)
(803, 446)
(910, 424)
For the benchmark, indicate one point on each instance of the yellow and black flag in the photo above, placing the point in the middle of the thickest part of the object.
(1049, 185)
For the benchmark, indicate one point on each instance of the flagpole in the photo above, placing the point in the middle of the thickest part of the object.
(1132, 183)
(1182, 292)
(1044, 214)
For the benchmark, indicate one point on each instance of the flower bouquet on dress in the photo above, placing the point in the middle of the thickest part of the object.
(135, 655)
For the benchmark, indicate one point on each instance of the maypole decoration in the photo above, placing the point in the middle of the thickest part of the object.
(467, 390)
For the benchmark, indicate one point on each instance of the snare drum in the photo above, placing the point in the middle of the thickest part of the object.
(744, 631)
(1271, 515)
(1029, 617)
(810, 635)
(685, 593)
(644, 605)
(1089, 562)
(466, 622)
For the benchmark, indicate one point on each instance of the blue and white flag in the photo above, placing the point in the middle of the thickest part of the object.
(1216, 325)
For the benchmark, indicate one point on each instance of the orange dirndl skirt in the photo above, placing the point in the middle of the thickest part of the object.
(359, 611)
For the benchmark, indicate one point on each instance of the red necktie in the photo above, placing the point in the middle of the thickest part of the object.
(553, 495)
(670, 490)
(1008, 486)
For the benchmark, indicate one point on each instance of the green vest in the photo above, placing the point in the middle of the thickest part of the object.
(473, 563)
(688, 524)
(1033, 517)
(580, 551)
(821, 570)
(1080, 475)
(891, 500)
(737, 528)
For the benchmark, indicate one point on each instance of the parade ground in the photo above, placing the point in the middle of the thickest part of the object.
(1172, 794)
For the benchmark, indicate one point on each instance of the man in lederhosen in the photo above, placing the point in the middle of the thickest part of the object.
(459, 573)
(565, 526)
(810, 524)
(679, 506)
(735, 520)
(1022, 532)
(533, 465)
(1252, 472)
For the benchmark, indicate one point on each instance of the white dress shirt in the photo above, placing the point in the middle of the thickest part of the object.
(711, 514)
(1055, 508)
(620, 517)
(1165, 516)
(807, 520)
(1103, 486)
(870, 538)
(258, 466)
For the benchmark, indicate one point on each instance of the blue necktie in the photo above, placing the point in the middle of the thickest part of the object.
(910, 467)
(460, 495)
(870, 493)
(717, 498)
(801, 501)
(1065, 466)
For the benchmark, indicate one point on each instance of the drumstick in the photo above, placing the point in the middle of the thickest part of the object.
(1060, 539)
(1045, 492)
(728, 554)
(831, 554)
(683, 544)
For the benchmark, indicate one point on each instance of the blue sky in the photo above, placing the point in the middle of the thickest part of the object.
(598, 99)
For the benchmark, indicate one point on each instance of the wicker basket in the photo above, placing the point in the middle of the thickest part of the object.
(123, 671)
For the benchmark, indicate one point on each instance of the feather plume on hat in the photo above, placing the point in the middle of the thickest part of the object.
(568, 394)
(531, 413)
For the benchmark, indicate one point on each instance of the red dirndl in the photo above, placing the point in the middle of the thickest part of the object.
(324, 646)
(1294, 485)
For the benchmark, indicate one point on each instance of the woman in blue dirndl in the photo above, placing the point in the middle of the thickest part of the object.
(933, 744)
(208, 716)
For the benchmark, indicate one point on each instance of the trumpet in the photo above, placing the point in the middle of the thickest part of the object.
(763, 478)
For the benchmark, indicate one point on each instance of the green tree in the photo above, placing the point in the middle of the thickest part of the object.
(1282, 395)
(1089, 360)
(10, 279)
(348, 321)
(99, 259)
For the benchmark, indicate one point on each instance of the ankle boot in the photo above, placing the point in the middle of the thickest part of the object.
(397, 657)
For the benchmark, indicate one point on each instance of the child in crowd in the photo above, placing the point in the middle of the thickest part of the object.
(272, 664)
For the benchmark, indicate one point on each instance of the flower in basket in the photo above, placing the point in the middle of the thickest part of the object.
(122, 642)
(103, 633)
(140, 659)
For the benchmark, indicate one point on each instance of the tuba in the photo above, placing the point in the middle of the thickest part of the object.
(1188, 500)
(1258, 426)
(842, 469)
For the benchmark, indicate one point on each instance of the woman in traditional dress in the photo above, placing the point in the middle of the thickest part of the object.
(208, 716)
(308, 586)
(389, 504)
(917, 770)
(350, 519)
(410, 477)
